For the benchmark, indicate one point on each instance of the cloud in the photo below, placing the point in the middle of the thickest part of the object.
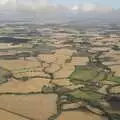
(75, 7)
(39, 5)
(85, 6)
(2, 2)
(33, 2)
(25, 3)
(18, 5)
(88, 7)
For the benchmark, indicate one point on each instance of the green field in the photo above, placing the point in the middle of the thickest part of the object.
(114, 79)
(115, 117)
(85, 95)
(84, 74)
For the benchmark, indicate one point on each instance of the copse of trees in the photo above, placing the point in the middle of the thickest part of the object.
(24, 55)
(116, 47)
(13, 40)
(4, 75)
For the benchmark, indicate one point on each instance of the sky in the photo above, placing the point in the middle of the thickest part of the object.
(68, 3)
(111, 3)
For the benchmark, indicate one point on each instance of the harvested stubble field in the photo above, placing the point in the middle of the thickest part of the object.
(79, 61)
(79, 115)
(32, 85)
(37, 107)
(115, 90)
(17, 64)
(4, 115)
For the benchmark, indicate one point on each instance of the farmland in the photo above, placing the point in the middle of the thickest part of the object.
(58, 74)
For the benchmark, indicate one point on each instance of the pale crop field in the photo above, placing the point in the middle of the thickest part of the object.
(38, 107)
(7, 46)
(79, 60)
(62, 82)
(31, 74)
(47, 58)
(9, 116)
(32, 85)
(17, 64)
(116, 69)
(79, 115)
(65, 72)
(115, 89)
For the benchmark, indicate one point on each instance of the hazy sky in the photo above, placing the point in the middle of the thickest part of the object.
(110, 3)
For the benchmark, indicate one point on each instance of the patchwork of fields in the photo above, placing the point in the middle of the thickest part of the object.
(59, 77)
